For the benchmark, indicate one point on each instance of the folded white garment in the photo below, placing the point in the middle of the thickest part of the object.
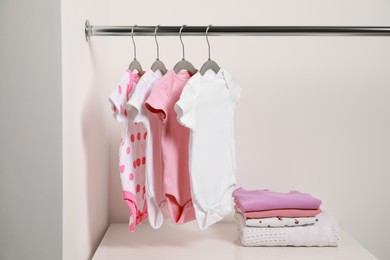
(324, 232)
(280, 222)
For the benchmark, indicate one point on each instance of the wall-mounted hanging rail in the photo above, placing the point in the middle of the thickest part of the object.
(97, 30)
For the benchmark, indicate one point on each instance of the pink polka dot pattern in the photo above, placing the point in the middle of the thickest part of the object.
(132, 138)
(125, 112)
(120, 89)
(139, 136)
(128, 150)
(145, 134)
(131, 177)
(135, 164)
(143, 160)
(122, 168)
(138, 162)
(138, 188)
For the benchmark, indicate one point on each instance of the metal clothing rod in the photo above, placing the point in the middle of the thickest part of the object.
(97, 30)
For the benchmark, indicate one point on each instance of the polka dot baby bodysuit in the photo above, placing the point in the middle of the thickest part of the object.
(206, 106)
(154, 165)
(131, 151)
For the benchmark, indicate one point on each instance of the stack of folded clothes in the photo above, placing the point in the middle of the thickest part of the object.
(267, 218)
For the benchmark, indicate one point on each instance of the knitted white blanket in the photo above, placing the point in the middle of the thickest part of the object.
(323, 233)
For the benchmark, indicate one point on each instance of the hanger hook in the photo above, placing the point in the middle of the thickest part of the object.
(132, 38)
(207, 38)
(182, 44)
(155, 39)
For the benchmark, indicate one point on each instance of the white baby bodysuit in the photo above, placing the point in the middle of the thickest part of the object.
(131, 151)
(154, 175)
(206, 106)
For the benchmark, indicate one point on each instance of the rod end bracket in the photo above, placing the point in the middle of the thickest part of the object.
(88, 30)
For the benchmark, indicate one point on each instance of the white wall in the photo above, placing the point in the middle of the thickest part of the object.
(30, 130)
(85, 134)
(314, 110)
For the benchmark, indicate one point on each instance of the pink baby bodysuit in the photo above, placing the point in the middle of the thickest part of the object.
(131, 151)
(175, 141)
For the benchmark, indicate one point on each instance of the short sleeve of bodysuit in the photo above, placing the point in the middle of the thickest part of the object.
(234, 87)
(157, 101)
(134, 105)
(185, 109)
(120, 95)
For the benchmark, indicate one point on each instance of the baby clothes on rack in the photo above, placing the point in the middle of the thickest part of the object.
(137, 112)
(164, 171)
(174, 142)
(131, 151)
(206, 106)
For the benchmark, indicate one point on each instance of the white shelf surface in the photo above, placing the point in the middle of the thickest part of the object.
(218, 242)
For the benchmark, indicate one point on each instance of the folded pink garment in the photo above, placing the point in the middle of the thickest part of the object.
(291, 213)
(257, 200)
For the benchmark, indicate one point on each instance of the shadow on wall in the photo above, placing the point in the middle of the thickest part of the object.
(96, 148)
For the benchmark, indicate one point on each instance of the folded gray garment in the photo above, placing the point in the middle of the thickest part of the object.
(323, 233)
